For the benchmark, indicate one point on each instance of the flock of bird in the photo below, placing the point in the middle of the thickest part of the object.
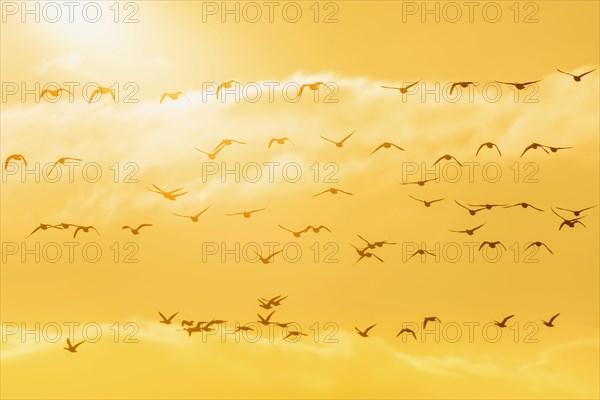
(364, 251)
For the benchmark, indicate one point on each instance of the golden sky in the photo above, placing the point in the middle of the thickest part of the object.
(136, 142)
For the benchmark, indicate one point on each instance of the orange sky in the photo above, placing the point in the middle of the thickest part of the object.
(171, 49)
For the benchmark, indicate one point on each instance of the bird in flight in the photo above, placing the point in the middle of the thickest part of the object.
(407, 330)
(491, 245)
(364, 333)
(172, 96)
(425, 202)
(575, 212)
(403, 89)
(375, 244)
(420, 183)
(226, 142)
(194, 218)
(368, 255)
(225, 85)
(102, 90)
(550, 324)
(471, 211)
(85, 229)
(295, 233)
(267, 303)
(294, 334)
(447, 157)
(487, 206)
(73, 347)
(44, 227)
(246, 214)
(266, 260)
(165, 320)
(211, 156)
(469, 231)
(489, 145)
(534, 146)
(333, 191)
(16, 157)
(311, 86)
(135, 231)
(62, 161)
(265, 321)
(53, 92)
(422, 252)
(430, 319)
(316, 229)
(279, 141)
(243, 328)
(569, 222)
(172, 195)
(577, 78)
(341, 142)
(538, 244)
(555, 149)
(519, 86)
(187, 323)
(386, 145)
(524, 205)
(461, 84)
(503, 323)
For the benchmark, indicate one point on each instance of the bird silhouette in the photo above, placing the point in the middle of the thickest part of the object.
(461, 84)
(225, 85)
(195, 217)
(85, 229)
(550, 324)
(275, 301)
(524, 205)
(555, 149)
(266, 260)
(534, 146)
(386, 145)
(367, 255)
(43, 227)
(577, 78)
(265, 321)
(172, 96)
(426, 202)
(243, 329)
(279, 141)
(489, 145)
(187, 323)
(165, 320)
(311, 86)
(519, 86)
(364, 333)
(471, 211)
(503, 323)
(172, 195)
(317, 229)
(420, 183)
(53, 92)
(491, 245)
(403, 89)
(487, 206)
(71, 347)
(447, 157)
(16, 157)
(294, 334)
(569, 222)
(341, 142)
(296, 234)
(538, 244)
(135, 231)
(333, 191)
(102, 90)
(62, 161)
(227, 142)
(246, 214)
(576, 212)
(422, 252)
(211, 156)
(430, 319)
(407, 330)
(374, 244)
(471, 231)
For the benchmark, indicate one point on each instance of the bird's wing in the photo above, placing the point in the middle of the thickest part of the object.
(497, 148)
(483, 244)
(143, 225)
(587, 208)
(343, 191)
(162, 316)
(507, 83)
(378, 147)
(566, 73)
(43, 93)
(396, 146)
(414, 198)
(438, 160)
(532, 82)
(585, 73)
(302, 89)
(411, 85)
(269, 316)
(375, 255)
(257, 210)
(94, 93)
(270, 143)
(329, 140)
(69, 342)
(112, 94)
(78, 344)
(323, 192)
(547, 248)
(461, 205)
(77, 230)
(390, 87)
(478, 227)
(369, 328)
(507, 318)
(453, 86)
(479, 149)
(173, 316)
(346, 138)
(552, 319)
